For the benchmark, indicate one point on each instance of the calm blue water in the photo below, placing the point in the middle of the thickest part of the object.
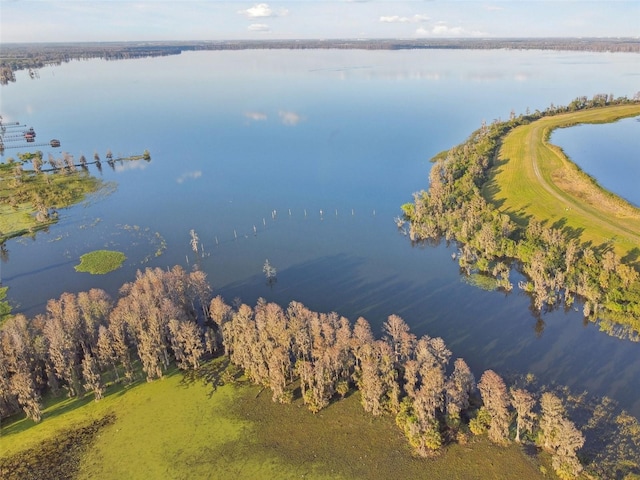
(272, 138)
(608, 152)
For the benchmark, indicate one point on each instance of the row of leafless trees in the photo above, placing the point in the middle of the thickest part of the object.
(399, 374)
(85, 340)
(81, 337)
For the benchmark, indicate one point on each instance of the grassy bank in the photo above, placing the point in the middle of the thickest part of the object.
(28, 199)
(534, 179)
(186, 428)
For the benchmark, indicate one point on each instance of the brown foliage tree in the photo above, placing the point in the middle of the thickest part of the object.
(496, 401)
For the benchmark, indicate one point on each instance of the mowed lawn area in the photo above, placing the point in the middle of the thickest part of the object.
(185, 428)
(534, 179)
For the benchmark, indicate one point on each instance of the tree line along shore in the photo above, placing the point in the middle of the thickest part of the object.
(32, 56)
(86, 341)
(500, 222)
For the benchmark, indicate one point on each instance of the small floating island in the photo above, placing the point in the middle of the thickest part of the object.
(100, 262)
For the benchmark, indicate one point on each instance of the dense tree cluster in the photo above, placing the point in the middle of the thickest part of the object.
(84, 338)
(321, 357)
(164, 317)
(411, 378)
(557, 267)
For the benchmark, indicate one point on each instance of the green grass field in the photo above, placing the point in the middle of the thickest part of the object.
(54, 191)
(534, 179)
(178, 428)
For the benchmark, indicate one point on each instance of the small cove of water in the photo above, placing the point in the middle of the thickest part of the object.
(610, 153)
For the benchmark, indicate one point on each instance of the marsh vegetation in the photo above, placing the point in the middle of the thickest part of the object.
(100, 262)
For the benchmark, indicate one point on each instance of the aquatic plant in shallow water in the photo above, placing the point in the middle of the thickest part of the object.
(100, 262)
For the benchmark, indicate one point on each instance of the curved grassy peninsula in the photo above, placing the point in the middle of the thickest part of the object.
(508, 194)
(534, 179)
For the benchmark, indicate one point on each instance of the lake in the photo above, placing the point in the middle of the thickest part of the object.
(304, 158)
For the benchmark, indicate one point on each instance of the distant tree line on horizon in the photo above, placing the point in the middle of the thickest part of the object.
(558, 268)
(167, 317)
(32, 56)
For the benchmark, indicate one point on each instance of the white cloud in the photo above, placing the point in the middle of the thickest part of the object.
(258, 27)
(493, 8)
(289, 118)
(256, 116)
(398, 19)
(189, 176)
(441, 29)
(263, 10)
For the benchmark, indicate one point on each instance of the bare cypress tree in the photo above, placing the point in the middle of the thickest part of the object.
(319, 387)
(400, 338)
(199, 291)
(428, 399)
(552, 412)
(244, 336)
(149, 350)
(62, 354)
(390, 379)
(279, 366)
(220, 313)
(105, 350)
(370, 382)
(92, 377)
(320, 334)
(424, 437)
(191, 338)
(195, 241)
(8, 401)
(304, 370)
(496, 401)
(378, 383)
(22, 386)
(440, 351)
(342, 356)
(560, 437)
(523, 402)
(18, 366)
(411, 377)
(118, 327)
(299, 325)
(565, 459)
(362, 337)
(176, 343)
(458, 388)
(94, 307)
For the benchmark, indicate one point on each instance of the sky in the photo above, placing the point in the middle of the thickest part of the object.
(148, 20)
